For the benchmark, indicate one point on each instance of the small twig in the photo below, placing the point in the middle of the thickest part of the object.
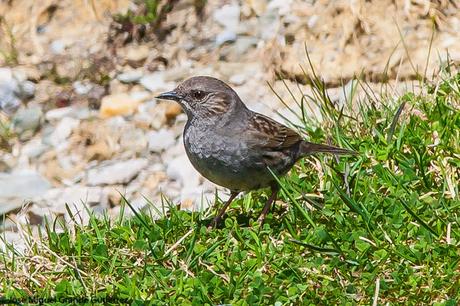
(59, 258)
(376, 292)
(223, 276)
(184, 267)
(175, 245)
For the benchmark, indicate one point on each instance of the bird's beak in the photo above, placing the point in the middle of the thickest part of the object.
(170, 95)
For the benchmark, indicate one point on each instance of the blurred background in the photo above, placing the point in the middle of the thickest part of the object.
(79, 123)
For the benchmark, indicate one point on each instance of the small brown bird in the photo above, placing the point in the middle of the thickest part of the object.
(233, 146)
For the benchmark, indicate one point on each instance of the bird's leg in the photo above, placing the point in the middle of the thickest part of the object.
(218, 217)
(268, 204)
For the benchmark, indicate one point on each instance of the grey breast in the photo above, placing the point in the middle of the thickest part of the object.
(224, 158)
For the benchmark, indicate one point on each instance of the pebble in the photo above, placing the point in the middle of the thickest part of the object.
(172, 111)
(181, 170)
(243, 44)
(136, 53)
(15, 239)
(18, 187)
(228, 16)
(155, 82)
(118, 104)
(26, 90)
(117, 172)
(237, 79)
(63, 131)
(131, 76)
(57, 198)
(34, 148)
(283, 6)
(59, 113)
(58, 46)
(27, 120)
(133, 140)
(9, 102)
(225, 36)
(82, 88)
(178, 74)
(160, 140)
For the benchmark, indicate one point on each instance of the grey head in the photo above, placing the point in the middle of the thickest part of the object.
(204, 97)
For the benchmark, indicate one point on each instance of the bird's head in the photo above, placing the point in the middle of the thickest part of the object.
(203, 96)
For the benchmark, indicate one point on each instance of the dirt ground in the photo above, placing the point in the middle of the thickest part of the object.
(376, 39)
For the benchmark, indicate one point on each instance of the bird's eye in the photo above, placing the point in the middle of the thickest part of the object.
(198, 94)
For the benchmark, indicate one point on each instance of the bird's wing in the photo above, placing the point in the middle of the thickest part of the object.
(270, 135)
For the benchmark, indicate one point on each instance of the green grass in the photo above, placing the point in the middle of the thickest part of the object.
(382, 227)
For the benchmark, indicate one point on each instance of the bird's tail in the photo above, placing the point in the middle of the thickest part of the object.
(307, 148)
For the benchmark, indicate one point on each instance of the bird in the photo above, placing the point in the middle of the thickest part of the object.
(233, 146)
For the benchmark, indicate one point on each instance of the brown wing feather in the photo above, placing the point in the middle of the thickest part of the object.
(270, 134)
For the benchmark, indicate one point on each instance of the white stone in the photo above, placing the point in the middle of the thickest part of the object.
(225, 36)
(8, 86)
(58, 46)
(59, 113)
(160, 140)
(155, 82)
(181, 170)
(75, 196)
(228, 16)
(63, 130)
(82, 88)
(19, 187)
(130, 76)
(121, 172)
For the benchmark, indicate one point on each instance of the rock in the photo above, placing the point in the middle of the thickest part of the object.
(194, 198)
(283, 6)
(130, 76)
(269, 24)
(142, 118)
(225, 36)
(78, 200)
(59, 113)
(140, 95)
(98, 151)
(118, 104)
(228, 16)
(178, 73)
(19, 187)
(155, 82)
(58, 46)
(160, 140)
(258, 6)
(172, 111)
(237, 79)
(312, 21)
(27, 120)
(14, 239)
(82, 88)
(25, 90)
(95, 96)
(57, 198)
(63, 131)
(135, 53)
(34, 148)
(181, 170)
(9, 102)
(243, 44)
(120, 172)
(133, 140)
